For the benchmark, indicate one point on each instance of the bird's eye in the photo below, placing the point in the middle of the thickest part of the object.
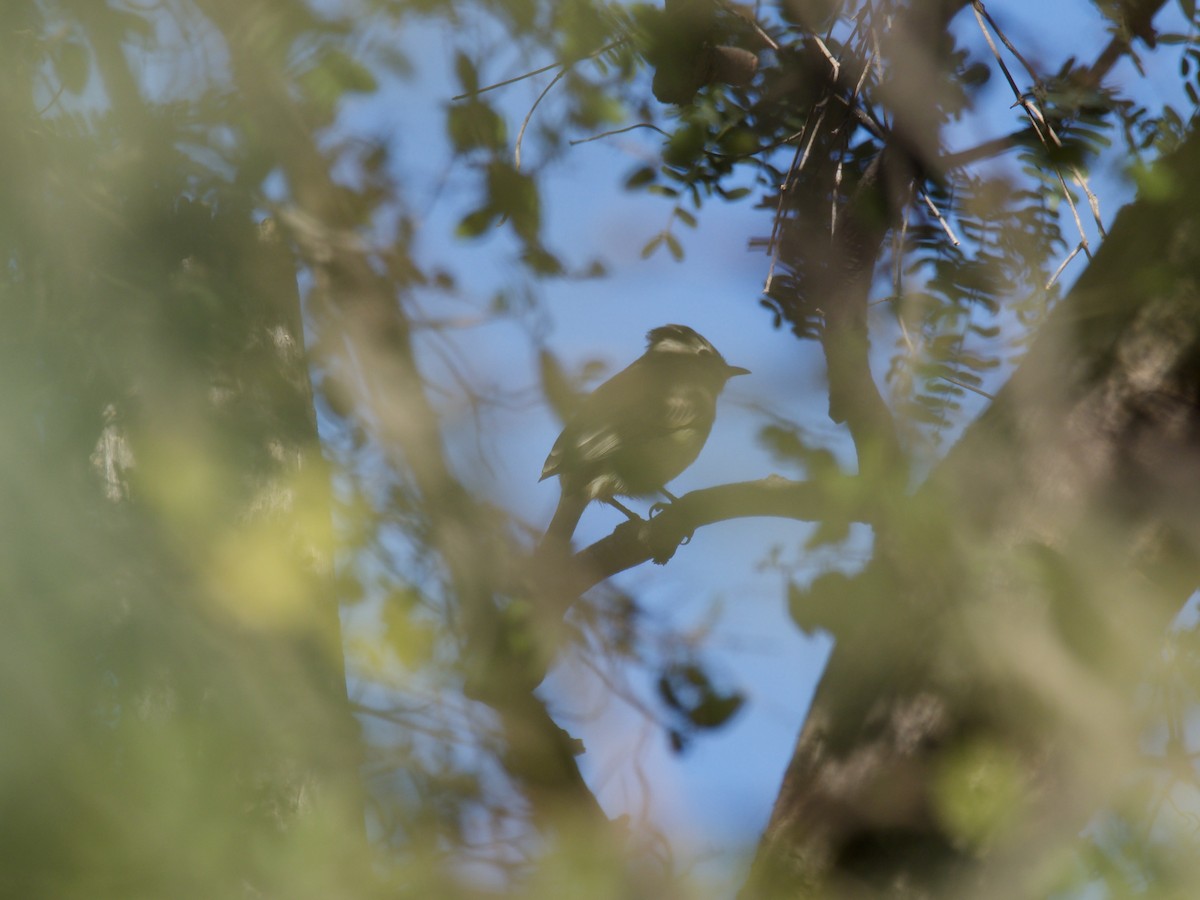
(704, 351)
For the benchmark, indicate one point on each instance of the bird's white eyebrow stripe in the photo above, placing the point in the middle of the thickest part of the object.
(671, 345)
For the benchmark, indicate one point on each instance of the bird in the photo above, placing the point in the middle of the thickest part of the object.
(640, 429)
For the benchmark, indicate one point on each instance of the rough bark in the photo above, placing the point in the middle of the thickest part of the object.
(1015, 600)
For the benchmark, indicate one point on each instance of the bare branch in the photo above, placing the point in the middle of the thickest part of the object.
(636, 125)
(635, 542)
(529, 115)
(499, 84)
(938, 215)
(753, 23)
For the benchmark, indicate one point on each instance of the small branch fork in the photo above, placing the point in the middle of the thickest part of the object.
(1042, 128)
(612, 45)
(529, 115)
(562, 67)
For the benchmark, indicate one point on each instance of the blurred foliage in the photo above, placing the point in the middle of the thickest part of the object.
(199, 267)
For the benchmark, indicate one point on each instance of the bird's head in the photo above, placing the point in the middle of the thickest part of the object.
(678, 342)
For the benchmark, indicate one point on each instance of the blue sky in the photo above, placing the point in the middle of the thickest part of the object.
(715, 798)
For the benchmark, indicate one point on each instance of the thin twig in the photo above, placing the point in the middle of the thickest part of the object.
(1030, 110)
(798, 160)
(986, 150)
(1093, 200)
(529, 115)
(970, 387)
(808, 147)
(777, 222)
(506, 82)
(979, 8)
(898, 239)
(54, 99)
(833, 203)
(1066, 262)
(1041, 127)
(746, 17)
(863, 76)
(837, 66)
(1074, 214)
(604, 134)
(987, 36)
(876, 51)
(908, 341)
(938, 215)
(776, 228)
(554, 65)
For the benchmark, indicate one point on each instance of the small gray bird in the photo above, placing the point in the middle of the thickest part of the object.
(639, 429)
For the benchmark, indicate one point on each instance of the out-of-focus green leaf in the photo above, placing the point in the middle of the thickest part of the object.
(468, 76)
(475, 223)
(71, 65)
(542, 261)
(685, 146)
(639, 177)
(474, 125)
(515, 195)
(979, 791)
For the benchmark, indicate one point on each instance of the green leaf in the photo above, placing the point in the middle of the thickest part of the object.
(71, 64)
(739, 142)
(594, 108)
(685, 217)
(673, 245)
(349, 74)
(333, 76)
(515, 195)
(476, 223)
(641, 176)
(979, 790)
(542, 261)
(651, 246)
(685, 146)
(474, 125)
(594, 269)
(687, 689)
(468, 77)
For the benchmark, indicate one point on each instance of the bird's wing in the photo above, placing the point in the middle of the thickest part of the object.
(626, 410)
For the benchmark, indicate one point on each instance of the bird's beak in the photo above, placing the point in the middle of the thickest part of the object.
(730, 371)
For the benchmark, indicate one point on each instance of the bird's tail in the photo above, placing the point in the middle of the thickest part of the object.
(571, 505)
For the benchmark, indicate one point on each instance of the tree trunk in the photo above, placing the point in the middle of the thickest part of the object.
(175, 717)
(1015, 602)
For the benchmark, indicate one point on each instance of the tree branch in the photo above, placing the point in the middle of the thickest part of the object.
(1075, 492)
(637, 541)
(353, 295)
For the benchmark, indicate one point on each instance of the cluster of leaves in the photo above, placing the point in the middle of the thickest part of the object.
(970, 281)
(117, 210)
(966, 275)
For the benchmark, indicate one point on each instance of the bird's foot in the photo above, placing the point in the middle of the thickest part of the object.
(630, 514)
